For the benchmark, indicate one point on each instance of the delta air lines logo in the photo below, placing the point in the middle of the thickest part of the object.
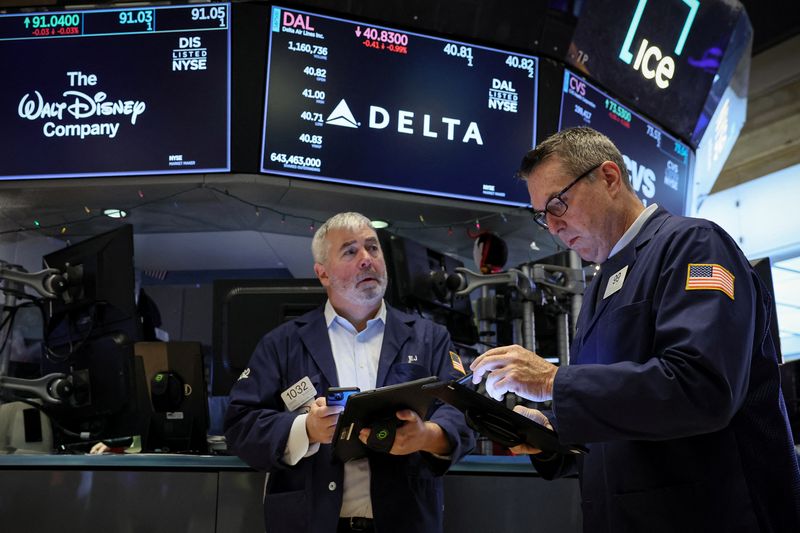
(407, 123)
(342, 116)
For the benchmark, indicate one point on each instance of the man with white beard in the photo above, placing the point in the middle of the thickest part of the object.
(355, 340)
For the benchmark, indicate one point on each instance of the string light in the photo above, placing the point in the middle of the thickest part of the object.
(63, 230)
(36, 223)
(450, 231)
(88, 211)
(422, 219)
(258, 212)
(141, 194)
(478, 224)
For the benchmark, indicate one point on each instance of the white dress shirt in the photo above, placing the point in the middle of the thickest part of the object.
(356, 355)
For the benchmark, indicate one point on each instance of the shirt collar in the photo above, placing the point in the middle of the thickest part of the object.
(331, 315)
(634, 230)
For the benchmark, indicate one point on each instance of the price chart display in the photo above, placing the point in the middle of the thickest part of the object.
(115, 91)
(659, 165)
(368, 105)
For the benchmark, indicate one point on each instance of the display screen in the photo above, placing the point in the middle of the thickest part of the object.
(661, 56)
(357, 103)
(658, 163)
(115, 91)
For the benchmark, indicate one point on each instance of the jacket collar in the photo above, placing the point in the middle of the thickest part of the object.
(592, 307)
(313, 333)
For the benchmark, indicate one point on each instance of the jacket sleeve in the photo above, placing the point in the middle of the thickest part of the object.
(256, 423)
(450, 419)
(679, 358)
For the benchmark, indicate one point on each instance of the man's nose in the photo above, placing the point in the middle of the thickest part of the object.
(365, 259)
(554, 223)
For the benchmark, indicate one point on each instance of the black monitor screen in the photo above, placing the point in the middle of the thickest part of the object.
(100, 289)
(658, 163)
(246, 310)
(89, 334)
(357, 103)
(139, 90)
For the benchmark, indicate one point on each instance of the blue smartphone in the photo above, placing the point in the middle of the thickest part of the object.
(339, 395)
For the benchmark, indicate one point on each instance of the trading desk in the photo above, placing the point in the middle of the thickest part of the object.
(220, 494)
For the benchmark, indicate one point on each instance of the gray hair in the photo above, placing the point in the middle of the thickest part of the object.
(579, 149)
(348, 221)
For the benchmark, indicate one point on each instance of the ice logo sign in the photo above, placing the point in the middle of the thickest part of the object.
(650, 60)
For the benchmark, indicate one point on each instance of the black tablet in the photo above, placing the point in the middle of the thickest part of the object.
(364, 408)
(495, 421)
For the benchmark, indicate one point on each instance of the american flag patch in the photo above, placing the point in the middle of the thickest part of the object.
(456, 360)
(709, 277)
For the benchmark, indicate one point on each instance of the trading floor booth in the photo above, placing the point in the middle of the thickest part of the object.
(292, 111)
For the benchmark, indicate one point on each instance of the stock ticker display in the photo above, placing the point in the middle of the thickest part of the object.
(357, 103)
(115, 91)
(658, 163)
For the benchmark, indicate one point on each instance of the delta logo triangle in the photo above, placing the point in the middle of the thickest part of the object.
(342, 116)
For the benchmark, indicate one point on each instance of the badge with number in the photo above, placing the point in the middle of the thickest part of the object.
(615, 282)
(299, 394)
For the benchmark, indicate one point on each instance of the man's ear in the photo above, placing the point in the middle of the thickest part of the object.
(322, 275)
(612, 175)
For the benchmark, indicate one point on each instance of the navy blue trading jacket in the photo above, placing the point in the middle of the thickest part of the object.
(676, 391)
(407, 491)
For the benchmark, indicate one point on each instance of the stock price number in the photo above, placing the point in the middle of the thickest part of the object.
(142, 16)
(618, 110)
(654, 133)
(681, 150)
(53, 21)
(219, 13)
(296, 160)
(311, 116)
(319, 73)
(464, 52)
(314, 140)
(386, 36)
(312, 94)
(523, 63)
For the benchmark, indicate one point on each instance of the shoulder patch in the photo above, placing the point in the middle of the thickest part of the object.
(457, 364)
(709, 277)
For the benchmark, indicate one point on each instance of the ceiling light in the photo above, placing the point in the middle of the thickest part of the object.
(380, 224)
(115, 213)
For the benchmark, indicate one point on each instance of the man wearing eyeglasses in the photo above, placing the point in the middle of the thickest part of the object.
(673, 380)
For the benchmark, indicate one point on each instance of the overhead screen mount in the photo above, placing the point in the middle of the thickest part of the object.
(122, 91)
(364, 104)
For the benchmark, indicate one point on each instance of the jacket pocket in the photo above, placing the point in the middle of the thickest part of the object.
(286, 512)
(624, 334)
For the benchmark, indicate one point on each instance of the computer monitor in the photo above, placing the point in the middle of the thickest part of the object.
(246, 310)
(88, 336)
(418, 283)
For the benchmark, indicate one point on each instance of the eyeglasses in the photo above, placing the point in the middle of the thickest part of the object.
(556, 205)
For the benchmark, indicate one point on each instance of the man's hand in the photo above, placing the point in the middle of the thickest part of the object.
(414, 435)
(515, 369)
(321, 421)
(536, 416)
